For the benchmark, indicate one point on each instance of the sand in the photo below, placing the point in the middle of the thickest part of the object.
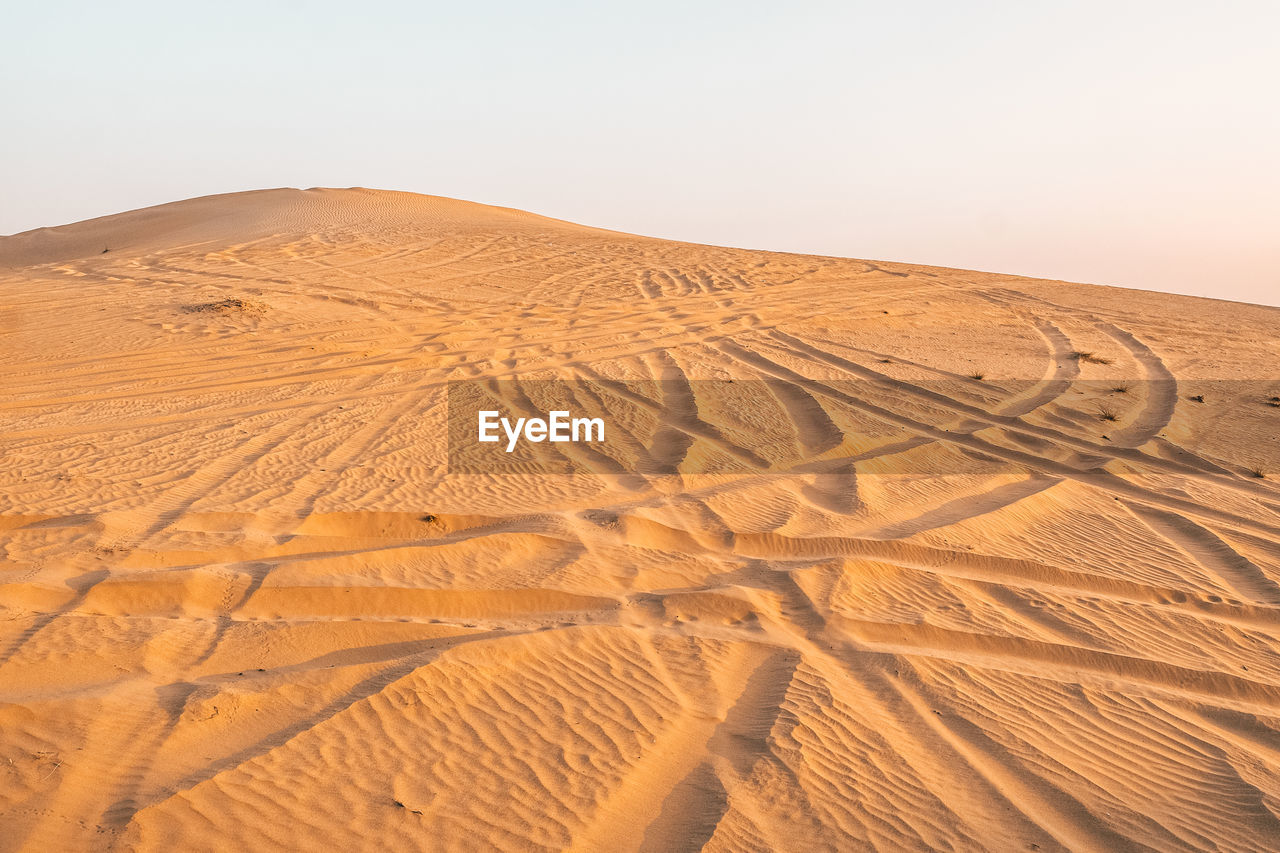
(246, 606)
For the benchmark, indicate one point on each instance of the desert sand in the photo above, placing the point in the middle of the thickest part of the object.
(246, 605)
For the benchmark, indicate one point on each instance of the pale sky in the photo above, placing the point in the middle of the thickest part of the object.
(1129, 143)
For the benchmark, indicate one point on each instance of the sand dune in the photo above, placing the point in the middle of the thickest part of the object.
(985, 564)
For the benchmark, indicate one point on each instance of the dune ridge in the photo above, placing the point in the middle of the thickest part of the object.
(246, 604)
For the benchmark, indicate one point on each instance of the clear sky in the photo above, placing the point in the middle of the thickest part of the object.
(1124, 142)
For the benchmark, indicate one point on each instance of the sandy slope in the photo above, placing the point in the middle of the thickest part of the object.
(227, 622)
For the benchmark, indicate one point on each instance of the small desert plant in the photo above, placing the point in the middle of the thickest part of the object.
(978, 375)
(886, 361)
(1257, 472)
(1120, 389)
(228, 306)
(1107, 414)
(428, 518)
(1274, 402)
(1092, 358)
(1196, 398)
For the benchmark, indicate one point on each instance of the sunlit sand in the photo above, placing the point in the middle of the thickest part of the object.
(246, 605)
